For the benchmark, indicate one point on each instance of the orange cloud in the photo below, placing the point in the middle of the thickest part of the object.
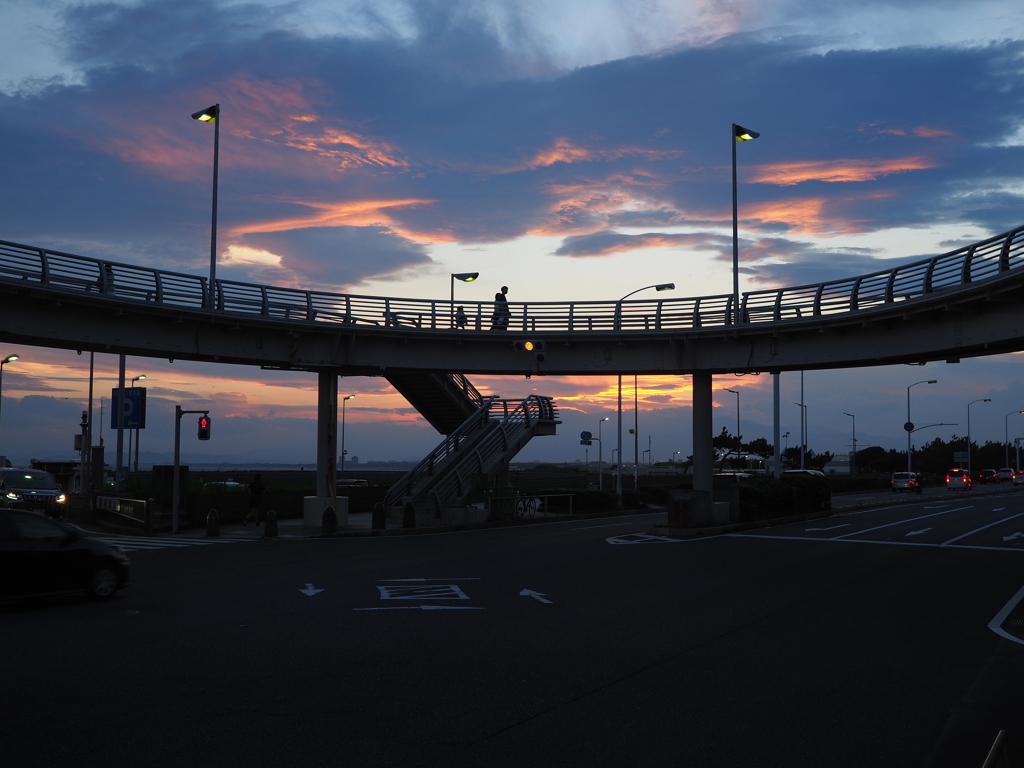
(788, 174)
(922, 131)
(564, 151)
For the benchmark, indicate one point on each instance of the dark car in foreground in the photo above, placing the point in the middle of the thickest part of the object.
(40, 556)
(31, 489)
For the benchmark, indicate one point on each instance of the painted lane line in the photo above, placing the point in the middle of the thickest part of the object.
(977, 530)
(900, 522)
(918, 533)
(999, 509)
(538, 596)
(429, 592)
(461, 578)
(873, 541)
(423, 608)
(996, 625)
(937, 506)
(1013, 536)
(309, 591)
(610, 525)
(831, 528)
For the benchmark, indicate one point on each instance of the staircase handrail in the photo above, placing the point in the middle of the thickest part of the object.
(432, 460)
(466, 387)
(525, 416)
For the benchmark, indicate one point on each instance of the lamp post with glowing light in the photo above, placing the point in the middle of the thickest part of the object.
(343, 451)
(600, 455)
(737, 393)
(466, 277)
(739, 133)
(5, 361)
(212, 115)
(618, 312)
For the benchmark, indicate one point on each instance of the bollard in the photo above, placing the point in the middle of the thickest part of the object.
(270, 524)
(409, 515)
(329, 523)
(380, 520)
(212, 523)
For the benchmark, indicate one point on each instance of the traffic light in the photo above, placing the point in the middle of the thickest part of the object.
(204, 427)
(534, 346)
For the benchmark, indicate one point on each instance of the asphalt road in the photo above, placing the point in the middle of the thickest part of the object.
(858, 639)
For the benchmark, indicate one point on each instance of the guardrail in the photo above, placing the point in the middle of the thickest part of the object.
(29, 266)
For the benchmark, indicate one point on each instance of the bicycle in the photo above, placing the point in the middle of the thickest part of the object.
(527, 506)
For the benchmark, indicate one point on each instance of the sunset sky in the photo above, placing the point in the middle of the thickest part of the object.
(576, 150)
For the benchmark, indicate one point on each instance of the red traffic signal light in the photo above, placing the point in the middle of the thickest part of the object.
(204, 427)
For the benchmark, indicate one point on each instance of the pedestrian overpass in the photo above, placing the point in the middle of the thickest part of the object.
(968, 302)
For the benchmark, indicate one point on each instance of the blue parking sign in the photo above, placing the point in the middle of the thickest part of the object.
(134, 408)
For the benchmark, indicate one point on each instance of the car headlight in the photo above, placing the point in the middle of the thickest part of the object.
(61, 498)
(13, 496)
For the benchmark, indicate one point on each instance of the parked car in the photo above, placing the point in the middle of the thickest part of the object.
(40, 556)
(31, 489)
(958, 479)
(1007, 475)
(904, 481)
(986, 476)
(815, 472)
(1018, 478)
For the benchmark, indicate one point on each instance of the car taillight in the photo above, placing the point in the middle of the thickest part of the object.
(947, 478)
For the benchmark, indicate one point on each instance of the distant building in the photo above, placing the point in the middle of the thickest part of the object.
(840, 465)
(354, 461)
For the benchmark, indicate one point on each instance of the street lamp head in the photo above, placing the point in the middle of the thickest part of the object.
(731, 390)
(665, 287)
(987, 400)
(605, 418)
(935, 381)
(466, 277)
(140, 377)
(11, 358)
(348, 398)
(743, 134)
(208, 115)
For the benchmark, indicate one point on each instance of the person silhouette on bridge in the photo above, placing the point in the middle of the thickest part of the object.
(500, 318)
(460, 318)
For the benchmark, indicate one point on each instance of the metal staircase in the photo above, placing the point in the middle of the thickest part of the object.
(445, 400)
(483, 445)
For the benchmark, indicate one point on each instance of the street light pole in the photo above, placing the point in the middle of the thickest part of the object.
(910, 429)
(983, 400)
(343, 451)
(212, 115)
(600, 455)
(5, 361)
(853, 440)
(739, 133)
(138, 416)
(803, 421)
(1006, 436)
(466, 277)
(736, 392)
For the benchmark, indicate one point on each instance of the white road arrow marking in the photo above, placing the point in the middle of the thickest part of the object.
(309, 590)
(1013, 536)
(832, 528)
(538, 596)
(999, 509)
(918, 533)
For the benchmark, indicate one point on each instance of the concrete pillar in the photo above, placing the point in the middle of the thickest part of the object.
(703, 453)
(327, 437)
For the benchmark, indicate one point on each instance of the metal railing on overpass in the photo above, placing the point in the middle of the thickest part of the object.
(31, 267)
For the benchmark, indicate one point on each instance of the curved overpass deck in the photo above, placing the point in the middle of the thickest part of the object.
(959, 304)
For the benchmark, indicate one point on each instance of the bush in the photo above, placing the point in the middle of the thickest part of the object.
(763, 497)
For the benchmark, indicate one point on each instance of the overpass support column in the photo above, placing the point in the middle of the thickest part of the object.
(703, 452)
(326, 452)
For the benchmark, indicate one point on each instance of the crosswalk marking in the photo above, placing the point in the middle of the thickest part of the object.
(140, 543)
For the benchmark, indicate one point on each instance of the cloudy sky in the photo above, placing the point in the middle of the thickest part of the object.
(574, 150)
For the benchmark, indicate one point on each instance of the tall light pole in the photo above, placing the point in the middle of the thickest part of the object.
(1006, 437)
(212, 115)
(343, 451)
(983, 400)
(636, 435)
(138, 416)
(5, 361)
(466, 277)
(803, 425)
(739, 133)
(909, 426)
(853, 441)
(600, 455)
(736, 392)
(618, 312)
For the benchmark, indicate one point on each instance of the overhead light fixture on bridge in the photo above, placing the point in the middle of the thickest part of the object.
(739, 133)
(665, 287)
(466, 277)
(208, 115)
(459, 319)
(743, 134)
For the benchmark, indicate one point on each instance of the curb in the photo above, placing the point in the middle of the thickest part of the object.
(718, 530)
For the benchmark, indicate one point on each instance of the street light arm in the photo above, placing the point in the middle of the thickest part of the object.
(659, 286)
(940, 424)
